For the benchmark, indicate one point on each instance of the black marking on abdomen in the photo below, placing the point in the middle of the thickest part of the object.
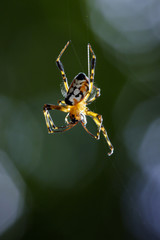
(67, 101)
(80, 93)
(81, 76)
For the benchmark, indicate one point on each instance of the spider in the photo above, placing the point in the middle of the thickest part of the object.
(77, 97)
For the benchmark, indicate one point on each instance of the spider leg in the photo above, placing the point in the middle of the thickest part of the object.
(65, 128)
(60, 66)
(84, 122)
(96, 96)
(49, 122)
(83, 119)
(88, 130)
(93, 65)
(66, 118)
(98, 120)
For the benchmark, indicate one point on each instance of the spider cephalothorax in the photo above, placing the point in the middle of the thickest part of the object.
(77, 97)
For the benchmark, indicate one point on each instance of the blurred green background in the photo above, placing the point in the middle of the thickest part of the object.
(65, 186)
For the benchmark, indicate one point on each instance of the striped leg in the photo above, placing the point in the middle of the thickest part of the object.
(108, 141)
(49, 122)
(60, 66)
(93, 65)
(98, 120)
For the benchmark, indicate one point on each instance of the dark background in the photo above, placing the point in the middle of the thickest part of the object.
(65, 186)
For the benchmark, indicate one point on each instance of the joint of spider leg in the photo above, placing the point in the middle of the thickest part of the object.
(49, 130)
(83, 119)
(46, 107)
(59, 102)
(112, 150)
(97, 137)
(52, 128)
(58, 63)
(100, 118)
(98, 92)
(66, 118)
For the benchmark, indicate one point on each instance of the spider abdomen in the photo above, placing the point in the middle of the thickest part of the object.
(78, 89)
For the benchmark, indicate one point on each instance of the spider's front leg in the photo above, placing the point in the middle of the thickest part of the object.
(60, 66)
(93, 66)
(98, 120)
(49, 122)
(92, 73)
